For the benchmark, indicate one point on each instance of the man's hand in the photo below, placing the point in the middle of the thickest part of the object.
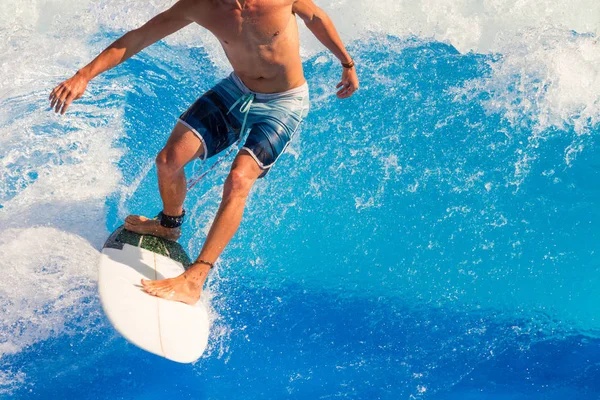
(71, 89)
(321, 26)
(349, 83)
(165, 23)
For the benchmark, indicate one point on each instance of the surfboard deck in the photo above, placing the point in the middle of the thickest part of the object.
(173, 330)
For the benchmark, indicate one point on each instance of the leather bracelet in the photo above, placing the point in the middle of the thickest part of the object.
(205, 262)
(348, 64)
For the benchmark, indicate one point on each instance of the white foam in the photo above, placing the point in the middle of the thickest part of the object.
(50, 234)
(11, 380)
(56, 174)
(53, 193)
(46, 272)
(556, 72)
(551, 77)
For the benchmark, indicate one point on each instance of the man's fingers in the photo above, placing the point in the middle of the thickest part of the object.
(346, 91)
(61, 99)
(67, 103)
(53, 91)
(64, 94)
(344, 86)
(56, 103)
(57, 89)
(52, 98)
(56, 96)
(53, 102)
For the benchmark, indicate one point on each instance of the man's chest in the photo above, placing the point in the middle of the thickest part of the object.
(260, 21)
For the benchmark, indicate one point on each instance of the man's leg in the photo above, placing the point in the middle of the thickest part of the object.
(187, 287)
(182, 147)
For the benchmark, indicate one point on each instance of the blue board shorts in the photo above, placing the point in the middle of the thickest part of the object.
(222, 115)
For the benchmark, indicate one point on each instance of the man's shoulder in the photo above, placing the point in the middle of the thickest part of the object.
(196, 9)
(196, 5)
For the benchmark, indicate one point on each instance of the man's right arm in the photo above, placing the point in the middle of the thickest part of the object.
(126, 46)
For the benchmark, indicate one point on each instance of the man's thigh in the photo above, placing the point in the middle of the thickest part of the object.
(182, 147)
(209, 118)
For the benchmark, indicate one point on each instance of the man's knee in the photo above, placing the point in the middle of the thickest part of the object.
(166, 164)
(238, 183)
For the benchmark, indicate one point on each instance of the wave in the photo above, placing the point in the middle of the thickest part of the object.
(536, 66)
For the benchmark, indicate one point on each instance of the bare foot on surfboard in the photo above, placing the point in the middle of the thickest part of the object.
(185, 288)
(146, 226)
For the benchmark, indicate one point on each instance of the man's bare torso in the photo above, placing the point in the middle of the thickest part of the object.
(260, 39)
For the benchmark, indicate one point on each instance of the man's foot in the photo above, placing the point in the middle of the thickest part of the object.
(185, 288)
(145, 226)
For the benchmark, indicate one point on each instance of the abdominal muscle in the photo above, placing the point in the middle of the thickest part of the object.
(266, 67)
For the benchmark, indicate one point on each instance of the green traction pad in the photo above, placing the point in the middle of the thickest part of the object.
(154, 244)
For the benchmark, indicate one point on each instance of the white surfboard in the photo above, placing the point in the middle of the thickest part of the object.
(173, 330)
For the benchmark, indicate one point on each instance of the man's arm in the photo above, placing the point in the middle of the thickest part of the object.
(322, 27)
(125, 47)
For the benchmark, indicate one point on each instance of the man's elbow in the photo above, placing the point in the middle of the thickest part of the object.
(316, 18)
(132, 40)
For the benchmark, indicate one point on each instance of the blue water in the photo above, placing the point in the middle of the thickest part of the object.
(410, 244)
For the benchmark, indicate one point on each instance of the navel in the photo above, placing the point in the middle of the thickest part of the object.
(276, 33)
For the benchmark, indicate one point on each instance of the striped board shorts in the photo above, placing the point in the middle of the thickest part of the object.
(221, 116)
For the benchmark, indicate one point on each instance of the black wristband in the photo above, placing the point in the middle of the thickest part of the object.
(169, 221)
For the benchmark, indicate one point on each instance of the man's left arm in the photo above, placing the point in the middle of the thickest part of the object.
(322, 27)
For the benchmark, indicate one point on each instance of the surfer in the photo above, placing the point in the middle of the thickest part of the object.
(266, 94)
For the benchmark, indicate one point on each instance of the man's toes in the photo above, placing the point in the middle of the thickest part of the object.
(136, 219)
(147, 289)
(131, 219)
(164, 291)
(152, 290)
(157, 288)
(150, 283)
(146, 284)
